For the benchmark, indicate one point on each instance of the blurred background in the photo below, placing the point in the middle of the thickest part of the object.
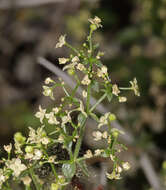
(133, 38)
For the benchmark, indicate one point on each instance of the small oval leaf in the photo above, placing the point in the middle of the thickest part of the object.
(69, 170)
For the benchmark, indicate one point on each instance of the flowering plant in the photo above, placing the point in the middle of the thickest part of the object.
(40, 149)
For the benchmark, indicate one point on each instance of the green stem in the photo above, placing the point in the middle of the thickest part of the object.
(67, 94)
(51, 164)
(27, 187)
(79, 142)
(72, 48)
(90, 42)
(98, 102)
(88, 98)
(9, 155)
(34, 179)
(54, 171)
(123, 88)
(8, 186)
(75, 89)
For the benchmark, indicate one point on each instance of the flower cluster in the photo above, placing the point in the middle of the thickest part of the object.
(69, 121)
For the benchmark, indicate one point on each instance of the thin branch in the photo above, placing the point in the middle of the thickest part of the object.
(128, 138)
(103, 179)
(149, 172)
(6, 4)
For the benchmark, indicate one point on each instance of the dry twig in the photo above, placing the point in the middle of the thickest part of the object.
(6, 4)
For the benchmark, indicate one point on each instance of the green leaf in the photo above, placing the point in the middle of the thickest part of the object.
(69, 170)
(98, 63)
(81, 118)
(95, 86)
(106, 153)
(83, 167)
(109, 96)
(94, 116)
(70, 145)
(96, 46)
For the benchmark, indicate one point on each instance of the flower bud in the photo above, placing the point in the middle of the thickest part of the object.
(115, 134)
(54, 186)
(71, 72)
(61, 179)
(28, 149)
(84, 45)
(19, 137)
(164, 165)
(8, 148)
(43, 134)
(112, 117)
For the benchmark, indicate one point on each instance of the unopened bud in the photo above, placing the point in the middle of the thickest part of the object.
(71, 72)
(28, 149)
(112, 117)
(115, 134)
(19, 137)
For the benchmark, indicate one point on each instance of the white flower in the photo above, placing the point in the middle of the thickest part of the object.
(105, 135)
(103, 120)
(98, 152)
(61, 138)
(122, 99)
(66, 119)
(52, 159)
(113, 175)
(70, 66)
(28, 156)
(97, 135)
(16, 166)
(96, 21)
(61, 41)
(37, 136)
(80, 67)
(126, 165)
(48, 80)
(63, 60)
(51, 118)
(41, 114)
(45, 140)
(88, 154)
(26, 180)
(81, 108)
(37, 154)
(134, 87)
(102, 72)
(17, 146)
(2, 178)
(8, 148)
(99, 73)
(86, 80)
(112, 157)
(115, 90)
(55, 110)
(48, 92)
(75, 59)
(118, 169)
(84, 93)
(32, 136)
